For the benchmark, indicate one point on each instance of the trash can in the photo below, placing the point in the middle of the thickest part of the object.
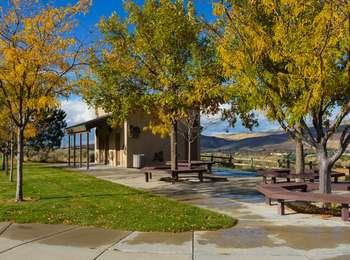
(137, 161)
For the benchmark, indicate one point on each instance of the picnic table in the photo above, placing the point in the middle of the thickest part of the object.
(207, 164)
(288, 175)
(174, 173)
(273, 174)
(289, 192)
(185, 170)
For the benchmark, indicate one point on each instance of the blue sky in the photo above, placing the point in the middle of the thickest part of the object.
(77, 111)
(104, 8)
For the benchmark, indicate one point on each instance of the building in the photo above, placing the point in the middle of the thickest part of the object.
(116, 146)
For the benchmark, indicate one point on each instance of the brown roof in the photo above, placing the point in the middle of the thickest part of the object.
(88, 125)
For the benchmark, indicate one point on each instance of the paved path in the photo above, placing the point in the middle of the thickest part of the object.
(37, 241)
(260, 234)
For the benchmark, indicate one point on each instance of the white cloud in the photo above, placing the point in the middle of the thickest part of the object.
(212, 124)
(77, 110)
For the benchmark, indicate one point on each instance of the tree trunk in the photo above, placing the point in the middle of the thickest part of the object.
(3, 162)
(324, 172)
(11, 158)
(189, 154)
(20, 144)
(299, 157)
(173, 141)
(6, 159)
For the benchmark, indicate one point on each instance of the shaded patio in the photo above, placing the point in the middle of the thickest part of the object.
(79, 130)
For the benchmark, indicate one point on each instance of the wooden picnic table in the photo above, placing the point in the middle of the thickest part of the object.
(287, 192)
(185, 170)
(315, 176)
(196, 164)
(273, 174)
(287, 175)
(174, 173)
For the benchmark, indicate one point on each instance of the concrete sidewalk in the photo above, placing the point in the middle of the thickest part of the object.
(37, 241)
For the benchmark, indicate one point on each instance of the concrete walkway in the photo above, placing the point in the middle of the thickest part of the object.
(260, 234)
(37, 241)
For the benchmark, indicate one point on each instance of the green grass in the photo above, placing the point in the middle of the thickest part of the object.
(55, 195)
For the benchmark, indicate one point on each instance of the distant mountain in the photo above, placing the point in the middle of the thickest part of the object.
(213, 142)
(270, 141)
(215, 126)
(261, 141)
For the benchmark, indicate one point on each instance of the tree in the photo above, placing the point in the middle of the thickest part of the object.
(190, 130)
(5, 157)
(158, 60)
(299, 156)
(12, 155)
(291, 60)
(7, 129)
(49, 131)
(37, 55)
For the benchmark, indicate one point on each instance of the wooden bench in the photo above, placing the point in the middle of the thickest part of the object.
(334, 175)
(273, 175)
(312, 176)
(288, 192)
(286, 174)
(199, 170)
(174, 174)
(207, 164)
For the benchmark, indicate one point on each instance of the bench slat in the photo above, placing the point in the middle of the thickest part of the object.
(282, 192)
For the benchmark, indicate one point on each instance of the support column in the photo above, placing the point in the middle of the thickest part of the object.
(87, 150)
(69, 149)
(74, 150)
(81, 149)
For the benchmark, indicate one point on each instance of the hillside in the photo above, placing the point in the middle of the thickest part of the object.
(261, 141)
(273, 141)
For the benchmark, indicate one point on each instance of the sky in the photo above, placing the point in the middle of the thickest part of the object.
(86, 31)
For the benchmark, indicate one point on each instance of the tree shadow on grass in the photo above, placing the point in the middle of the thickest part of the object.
(98, 195)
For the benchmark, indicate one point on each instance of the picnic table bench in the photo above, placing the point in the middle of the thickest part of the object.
(182, 170)
(286, 174)
(174, 173)
(206, 164)
(315, 176)
(282, 192)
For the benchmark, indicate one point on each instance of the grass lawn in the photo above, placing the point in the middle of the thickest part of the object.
(55, 195)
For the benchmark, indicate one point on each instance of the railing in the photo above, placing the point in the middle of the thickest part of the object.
(246, 162)
(229, 160)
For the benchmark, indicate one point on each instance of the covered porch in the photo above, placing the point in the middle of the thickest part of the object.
(108, 144)
(79, 142)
